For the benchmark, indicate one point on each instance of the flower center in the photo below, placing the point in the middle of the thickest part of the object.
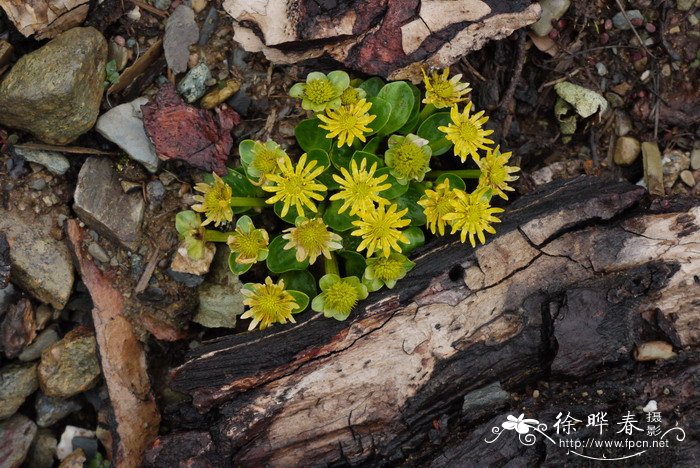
(265, 161)
(248, 245)
(387, 269)
(444, 89)
(443, 206)
(341, 297)
(496, 174)
(217, 197)
(409, 160)
(347, 121)
(319, 91)
(312, 236)
(350, 96)
(468, 132)
(268, 305)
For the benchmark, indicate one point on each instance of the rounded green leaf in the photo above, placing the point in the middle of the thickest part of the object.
(410, 200)
(338, 221)
(396, 189)
(400, 95)
(320, 156)
(455, 181)
(373, 145)
(301, 299)
(413, 120)
(354, 263)
(300, 280)
(382, 110)
(416, 238)
(340, 157)
(310, 136)
(187, 221)
(358, 156)
(280, 260)
(245, 150)
(429, 130)
(372, 86)
(291, 213)
(237, 268)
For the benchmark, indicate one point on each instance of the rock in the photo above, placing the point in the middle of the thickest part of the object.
(695, 159)
(601, 69)
(653, 350)
(123, 125)
(86, 444)
(181, 31)
(161, 4)
(76, 459)
(209, 26)
(651, 406)
(240, 102)
(17, 382)
(674, 162)
(55, 92)
(552, 10)
(220, 300)
(118, 54)
(635, 17)
(98, 252)
(627, 151)
(17, 435)
(193, 85)
(585, 101)
(219, 95)
(688, 178)
(43, 341)
(684, 5)
(199, 5)
(65, 445)
(653, 169)
(41, 265)
(478, 402)
(37, 184)
(7, 297)
(623, 123)
(101, 203)
(155, 190)
(54, 162)
(43, 315)
(50, 410)
(18, 328)
(70, 366)
(189, 280)
(182, 263)
(43, 450)
(6, 50)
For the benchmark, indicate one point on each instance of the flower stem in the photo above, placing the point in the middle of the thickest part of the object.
(462, 173)
(331, 265)
(247, 201)
(211, 235)
(426, 112)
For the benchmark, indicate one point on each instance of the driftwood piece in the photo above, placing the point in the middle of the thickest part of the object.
(578, 275)
(391, 38)
(123, 360)
(45, 18)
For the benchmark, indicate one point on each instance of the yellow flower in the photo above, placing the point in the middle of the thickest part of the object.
(360, 189)
(215, 203)
(338, 296)
(442, 92)
(408, 157)
(495, 175)
(472, 215)
(311, 238)
(348, 122)
(265, 157)
(249, 244)
(467, 133)
(296, 185)
(379, 229)
(436, 204)
(321, 92)
(268, 303)
(352, 95)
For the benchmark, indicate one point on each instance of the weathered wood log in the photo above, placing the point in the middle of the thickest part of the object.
(578, 276)
(45, 18)
(391, 38)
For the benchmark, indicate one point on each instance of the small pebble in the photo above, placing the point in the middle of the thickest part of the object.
(601, 69)
(599, 392)
(635, 17)
(135, 14)
(98, 253)
(695, 159)
(666, 70)
(627, 150)
(536, 394)
(645, 75)
(650, 407)
(37, 184)
(688, 179)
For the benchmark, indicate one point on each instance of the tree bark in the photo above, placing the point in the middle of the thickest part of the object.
(579, 277)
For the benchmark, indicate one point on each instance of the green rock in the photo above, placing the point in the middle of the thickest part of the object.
(55, 92)
(220, 298)
(17, 382)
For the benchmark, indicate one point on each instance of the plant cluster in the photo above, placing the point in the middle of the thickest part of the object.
(359, 199)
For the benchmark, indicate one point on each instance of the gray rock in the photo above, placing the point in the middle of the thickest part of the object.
(240, 102)
(102, 204)
(43, 450)
(50, 410)
(54, 162)
(155, 190)
(17, 435)
(188, 279)
(478, 403)
(123, 125)
(161, 4)
(69, 366)
(674, 162)
(688, 178)
(37, 184)
(653, 169)
(634, 16)
(55, 92)
(193, 85)
(551, 10)
(17, 382)
(181, 31)
(695, 159)
(40, 264)
(98, 252)
(627, 151)
(623, 123)
(220, 298)
(209, 26)
(43, 341)
(601, 69)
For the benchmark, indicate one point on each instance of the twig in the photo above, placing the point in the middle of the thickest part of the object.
(634, 29)
(65, 149)
(474, 71)
(507, 104)
(147, 273)
(559, 80)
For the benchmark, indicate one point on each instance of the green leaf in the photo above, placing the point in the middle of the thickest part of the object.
(280, 260)
(187, 221)
(455, 181)
(111, 73)
(396, 189)
(245, 150)
(410, 200)
(237, 268)
(412, 122)
(350, 242)
(326, 178)
(416, 238)
(429, 130)
(373, 145)
(300, 280)
(241, 187)
(382, 110)
(354, 263)
(372, 86)
(372, 285)
(320, 156)
(338, 221)
(340, 157)
(400, 95)
(358, 156)
(310, 136)
(291, 214)
(301, 299)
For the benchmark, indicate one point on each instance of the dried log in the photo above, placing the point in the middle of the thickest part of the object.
(46, 18)
(579, 274)
(391, 38)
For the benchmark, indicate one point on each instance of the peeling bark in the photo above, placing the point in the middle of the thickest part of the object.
(578, 275)
(45, 18)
